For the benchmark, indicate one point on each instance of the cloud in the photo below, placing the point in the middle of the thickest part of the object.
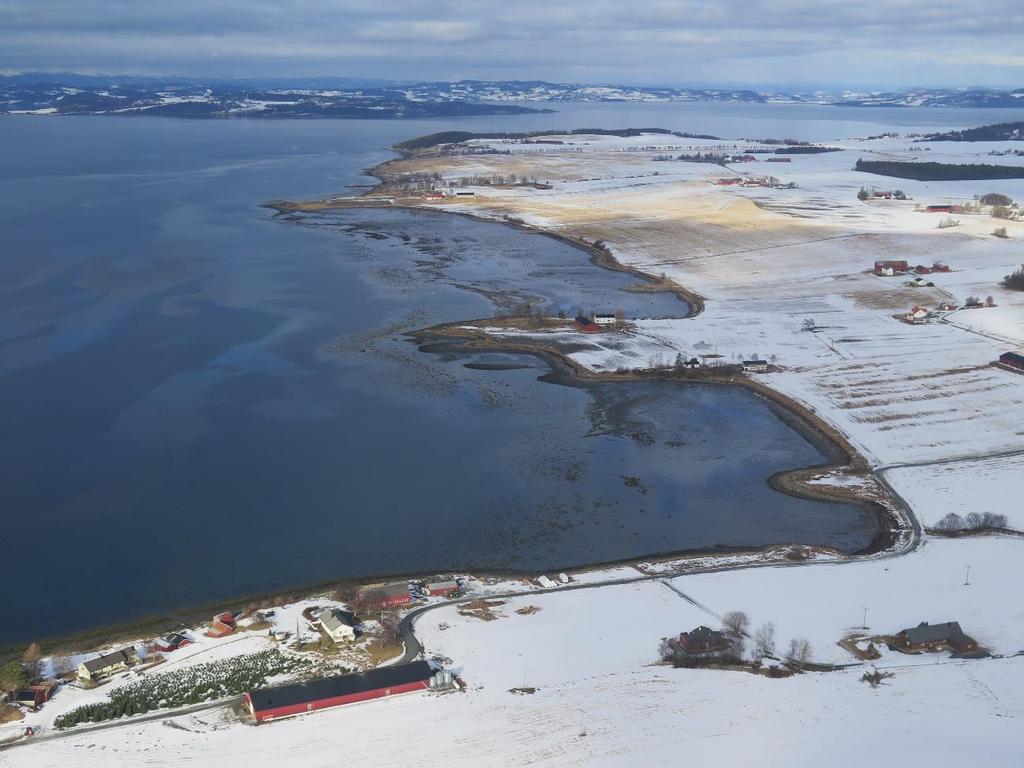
(671, 42)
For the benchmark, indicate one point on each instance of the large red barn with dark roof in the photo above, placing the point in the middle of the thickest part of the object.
(298, 698)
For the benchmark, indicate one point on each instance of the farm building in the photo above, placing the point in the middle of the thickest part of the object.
(947, 307)
(701, 642)
(586, 325)
(442, 588)
(433, 195)
(385, 595)
(755, 366)
(337, 625)
(934, 637)
(1012, 360)
(171, 642)
(273, 703)
(35, 695)
(884, 195)
(108, 664)
(221, 625)
(605, 319)
(889, 268)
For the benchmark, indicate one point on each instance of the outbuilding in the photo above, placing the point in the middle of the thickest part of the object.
(442, 588)
(171, 642)
(755, 366)
(605, 319)
(586, 325)
(273, 703)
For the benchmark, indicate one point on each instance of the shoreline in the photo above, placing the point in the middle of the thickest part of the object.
(898, 530)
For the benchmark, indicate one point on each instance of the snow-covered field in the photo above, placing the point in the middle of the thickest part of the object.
(600, 698)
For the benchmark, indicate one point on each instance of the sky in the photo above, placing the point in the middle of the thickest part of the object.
(754, 43)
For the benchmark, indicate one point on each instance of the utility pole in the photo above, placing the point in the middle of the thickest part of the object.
(864, 625)
(967, 578)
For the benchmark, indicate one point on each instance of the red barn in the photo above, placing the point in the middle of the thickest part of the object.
(386, 595)
(586, 325)
(895, 266)
(273, 703)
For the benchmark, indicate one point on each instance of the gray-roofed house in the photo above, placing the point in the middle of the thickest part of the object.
(108, 664)
(934, 637)
(337, 624)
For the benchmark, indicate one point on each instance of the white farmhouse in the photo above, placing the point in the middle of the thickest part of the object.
(337, 625)
(605, 319)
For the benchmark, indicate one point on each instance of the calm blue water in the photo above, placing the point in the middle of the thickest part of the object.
(199, 400)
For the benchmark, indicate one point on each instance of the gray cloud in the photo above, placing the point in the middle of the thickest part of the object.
(672, 42)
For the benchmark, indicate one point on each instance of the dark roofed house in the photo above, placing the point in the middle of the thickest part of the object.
(586, 325)
(108, 664)
(287, 700)
(701, 642)
(934, 637)
(1012, 360)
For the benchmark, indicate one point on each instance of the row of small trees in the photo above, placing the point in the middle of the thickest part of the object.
(973, 521)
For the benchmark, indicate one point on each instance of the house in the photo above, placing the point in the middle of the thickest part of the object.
(35, 695)
(1012, 360)
(917, 315)
(947, 307)
(108, 664)
(920, 282)
(934, 637)
(945, 208)
(442, 588)
(586, 325)
(755, 366)
(605, 319)
(221, 625)
(272, 703)
(693, 362)
(337, 624)
(386, 595)
(171, 642)
(884, 195)
(701, 643)
(888, 267)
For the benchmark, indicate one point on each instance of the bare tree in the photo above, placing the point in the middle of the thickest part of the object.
(974, 520)
(764, 640)
(734, 626)
(799, 652)
(951, 522)
(30, 660)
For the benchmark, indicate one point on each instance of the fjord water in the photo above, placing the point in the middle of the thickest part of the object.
(199, 400)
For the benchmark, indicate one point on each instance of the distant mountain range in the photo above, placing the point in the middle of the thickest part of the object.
(354, 98)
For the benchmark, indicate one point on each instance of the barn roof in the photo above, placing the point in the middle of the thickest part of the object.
(264, 699)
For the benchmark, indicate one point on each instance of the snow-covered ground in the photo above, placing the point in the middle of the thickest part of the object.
(600, 698)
